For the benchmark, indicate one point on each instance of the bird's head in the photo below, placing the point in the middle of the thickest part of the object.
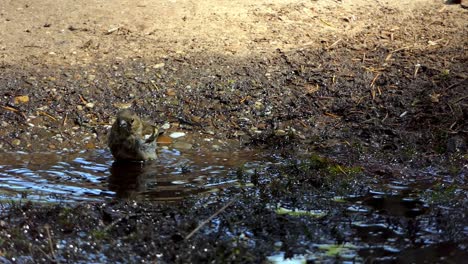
(128, 122)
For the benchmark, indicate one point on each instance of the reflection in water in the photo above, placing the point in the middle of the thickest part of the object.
(93, 175)
(175, 175)
(138, 180)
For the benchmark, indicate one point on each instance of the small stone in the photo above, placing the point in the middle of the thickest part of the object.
(170, 92)
(89, 105)
(177, 134)
(166, 126)
(182, 145)
(280, 132)
(42, 108)
(79, 107)
(259, 105)
(278, 244)
(16, 142)
(456, 144)
(122, 105)
(158, 66)
(216, 147)
(90, 145)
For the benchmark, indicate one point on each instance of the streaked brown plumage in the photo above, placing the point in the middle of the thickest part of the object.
(127, 138)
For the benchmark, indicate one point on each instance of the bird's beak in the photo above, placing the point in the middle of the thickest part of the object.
(123, 123)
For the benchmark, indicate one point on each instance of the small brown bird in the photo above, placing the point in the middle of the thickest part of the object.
(131, 138)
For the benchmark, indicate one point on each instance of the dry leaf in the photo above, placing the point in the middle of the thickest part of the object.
(170, 92)
(310, 89)
(21, 99)
(164, 140)
(434, 97)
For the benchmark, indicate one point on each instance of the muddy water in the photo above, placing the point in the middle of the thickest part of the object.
(392, 220)
(93, 175)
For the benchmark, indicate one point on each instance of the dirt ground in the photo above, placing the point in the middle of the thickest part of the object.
(351, 78)
(232, 67)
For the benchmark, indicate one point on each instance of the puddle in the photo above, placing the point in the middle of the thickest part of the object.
(392, 220)
(93, 175)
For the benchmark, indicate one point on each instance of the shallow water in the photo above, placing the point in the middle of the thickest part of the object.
(93, 175)
(392, 220)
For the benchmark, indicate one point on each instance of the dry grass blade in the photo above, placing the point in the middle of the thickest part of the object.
(65, 119)
(209, 219)
(332, 115)
(375, 79)
(10, 109)
(334, 44)
(47, 228)
(48, 115)
(14, 110)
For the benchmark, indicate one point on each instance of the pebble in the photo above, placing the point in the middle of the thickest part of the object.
(166, 126)
(159, 65)
(456, 144)
(177, 134)
(16, 142)
(280, 132)
(182, 145)
(90, 145)
(216, 147)
(259, 105)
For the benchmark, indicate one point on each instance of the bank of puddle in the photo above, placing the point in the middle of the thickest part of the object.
(94, 176)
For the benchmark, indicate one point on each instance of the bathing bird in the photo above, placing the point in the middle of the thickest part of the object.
(132, 139)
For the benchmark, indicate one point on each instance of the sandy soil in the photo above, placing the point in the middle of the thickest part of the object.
(69, 32)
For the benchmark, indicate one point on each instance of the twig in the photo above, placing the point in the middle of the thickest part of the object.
(455, 84)
(155, 86)
(14, 110)
(326, 23)
(47, 227)
(108, 227)
(6, 141)
(10, 109)
(459, 99)
(331, 115)
(209, 219)
(375, 79)
(416, 69)
(334, 44)
(64, 122)
(48, 115)
(82, 99)
(400, 49)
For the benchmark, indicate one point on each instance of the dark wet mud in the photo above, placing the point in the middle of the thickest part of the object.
(243, 207)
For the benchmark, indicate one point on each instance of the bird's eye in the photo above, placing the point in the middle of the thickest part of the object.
(132, 120)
